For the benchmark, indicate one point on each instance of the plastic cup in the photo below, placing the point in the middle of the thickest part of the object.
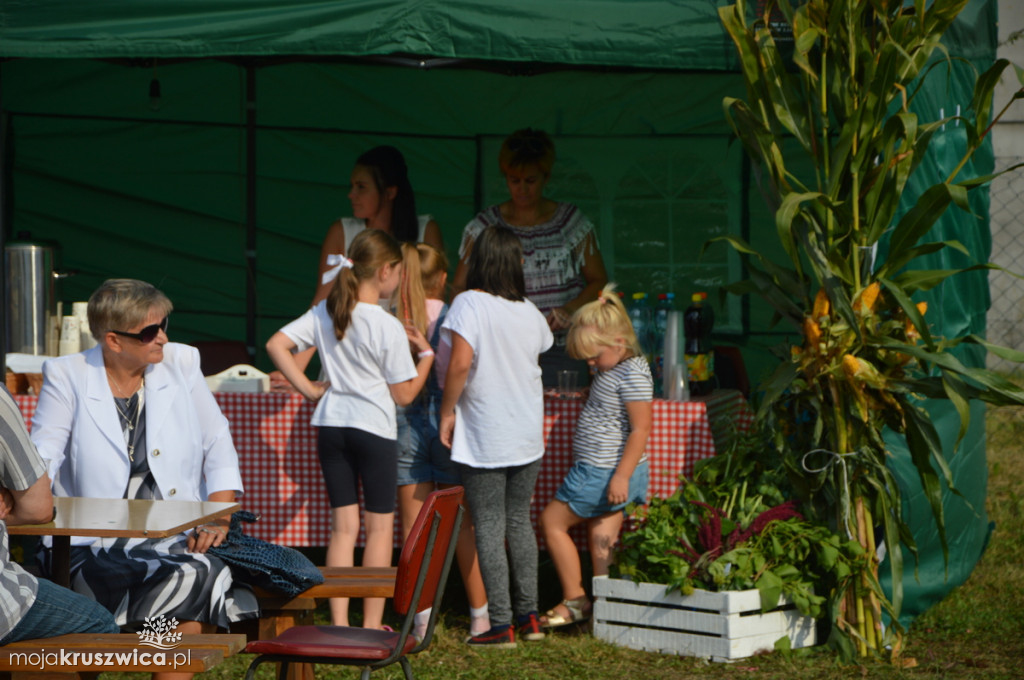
(567, 383)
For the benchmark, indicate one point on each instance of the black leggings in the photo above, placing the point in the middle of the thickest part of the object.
(348, 456)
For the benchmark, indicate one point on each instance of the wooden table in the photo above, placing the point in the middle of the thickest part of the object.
(116, 518)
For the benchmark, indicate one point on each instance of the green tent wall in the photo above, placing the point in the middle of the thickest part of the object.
(220, 190)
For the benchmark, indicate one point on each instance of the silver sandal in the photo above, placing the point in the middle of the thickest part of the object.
(579, 612)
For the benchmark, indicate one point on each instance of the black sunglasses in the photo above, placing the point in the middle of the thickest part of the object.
(147, 334)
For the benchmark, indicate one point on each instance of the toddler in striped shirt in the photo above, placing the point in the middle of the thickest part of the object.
(609, 459)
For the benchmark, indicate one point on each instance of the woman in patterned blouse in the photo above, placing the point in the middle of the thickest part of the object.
(562, 264)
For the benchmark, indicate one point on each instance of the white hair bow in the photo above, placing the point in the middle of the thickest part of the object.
(337, 263)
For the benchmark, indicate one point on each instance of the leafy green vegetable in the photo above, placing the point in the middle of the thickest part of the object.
(718, 534)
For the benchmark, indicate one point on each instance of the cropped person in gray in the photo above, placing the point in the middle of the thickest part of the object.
(30, 608)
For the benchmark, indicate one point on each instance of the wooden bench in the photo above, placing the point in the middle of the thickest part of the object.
(279, 613)
(67, 656)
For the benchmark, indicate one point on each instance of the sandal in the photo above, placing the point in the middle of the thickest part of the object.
(579, 611)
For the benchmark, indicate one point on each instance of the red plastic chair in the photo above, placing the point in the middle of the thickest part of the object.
(422, 573)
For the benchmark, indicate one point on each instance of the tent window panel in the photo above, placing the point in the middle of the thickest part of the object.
(643, 231)
(654, 201)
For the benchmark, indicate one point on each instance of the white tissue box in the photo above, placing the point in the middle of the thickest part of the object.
(239, 378)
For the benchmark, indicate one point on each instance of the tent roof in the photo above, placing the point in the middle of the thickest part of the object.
(645, 34)
(670, 34)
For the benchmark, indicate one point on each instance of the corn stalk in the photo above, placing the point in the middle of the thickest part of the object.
(837, 99)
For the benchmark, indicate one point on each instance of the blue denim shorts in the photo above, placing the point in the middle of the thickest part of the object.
(421, 455)
(59, 611)
(585, 489)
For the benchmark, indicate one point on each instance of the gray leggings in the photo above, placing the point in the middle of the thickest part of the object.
(499, 500)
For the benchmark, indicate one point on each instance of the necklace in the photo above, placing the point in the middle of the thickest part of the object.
(129, 422)
(126, 394)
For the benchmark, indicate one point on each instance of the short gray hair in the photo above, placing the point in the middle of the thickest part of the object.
(120, 304)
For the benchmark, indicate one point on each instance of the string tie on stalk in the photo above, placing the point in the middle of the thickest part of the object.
(833, 458)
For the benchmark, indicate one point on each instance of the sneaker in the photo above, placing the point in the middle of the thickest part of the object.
(498, 637)
(529, 627)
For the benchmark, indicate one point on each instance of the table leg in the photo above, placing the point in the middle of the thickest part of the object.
(60, 561)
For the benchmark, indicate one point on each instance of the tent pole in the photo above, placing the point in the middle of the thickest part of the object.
(250, 209)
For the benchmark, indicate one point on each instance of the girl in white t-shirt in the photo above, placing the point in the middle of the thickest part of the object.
(366, 358)
(492, 413)
(609, 462)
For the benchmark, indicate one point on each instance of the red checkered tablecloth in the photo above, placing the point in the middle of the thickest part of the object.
(283, 483)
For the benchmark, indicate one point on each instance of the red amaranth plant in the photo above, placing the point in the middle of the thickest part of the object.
(782, 511)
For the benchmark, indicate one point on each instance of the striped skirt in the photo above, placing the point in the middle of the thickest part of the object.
(140, 578)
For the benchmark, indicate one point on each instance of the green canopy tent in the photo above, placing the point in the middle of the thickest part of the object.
(206, 147)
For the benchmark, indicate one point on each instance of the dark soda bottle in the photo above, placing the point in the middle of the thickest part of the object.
(700, 358)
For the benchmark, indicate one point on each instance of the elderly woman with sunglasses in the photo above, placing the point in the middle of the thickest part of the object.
(562, 264)
(133, 418)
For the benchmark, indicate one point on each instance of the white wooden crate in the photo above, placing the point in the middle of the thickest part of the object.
(717, 626)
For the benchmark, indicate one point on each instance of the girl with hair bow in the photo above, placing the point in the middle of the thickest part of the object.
(367, 358)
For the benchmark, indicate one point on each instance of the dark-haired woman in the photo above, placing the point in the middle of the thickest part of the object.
(562, 265)
(382, 198)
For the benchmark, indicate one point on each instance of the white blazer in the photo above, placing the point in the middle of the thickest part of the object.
(78, 433)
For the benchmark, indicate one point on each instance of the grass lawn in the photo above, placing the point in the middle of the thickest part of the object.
(976, 632)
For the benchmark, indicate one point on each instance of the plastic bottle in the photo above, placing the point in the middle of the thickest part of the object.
(640, 315)
(700, 358)
(666, 303)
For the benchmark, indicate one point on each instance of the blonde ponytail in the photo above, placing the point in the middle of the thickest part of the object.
(600, 324)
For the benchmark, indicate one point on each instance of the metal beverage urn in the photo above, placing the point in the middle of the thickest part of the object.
(31, 304)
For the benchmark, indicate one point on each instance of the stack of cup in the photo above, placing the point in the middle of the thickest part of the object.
(80, 310)
(674, 363)
(70, 336)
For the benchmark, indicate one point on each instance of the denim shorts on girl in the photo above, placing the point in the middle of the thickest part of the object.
(421, 455)
(585, 489)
